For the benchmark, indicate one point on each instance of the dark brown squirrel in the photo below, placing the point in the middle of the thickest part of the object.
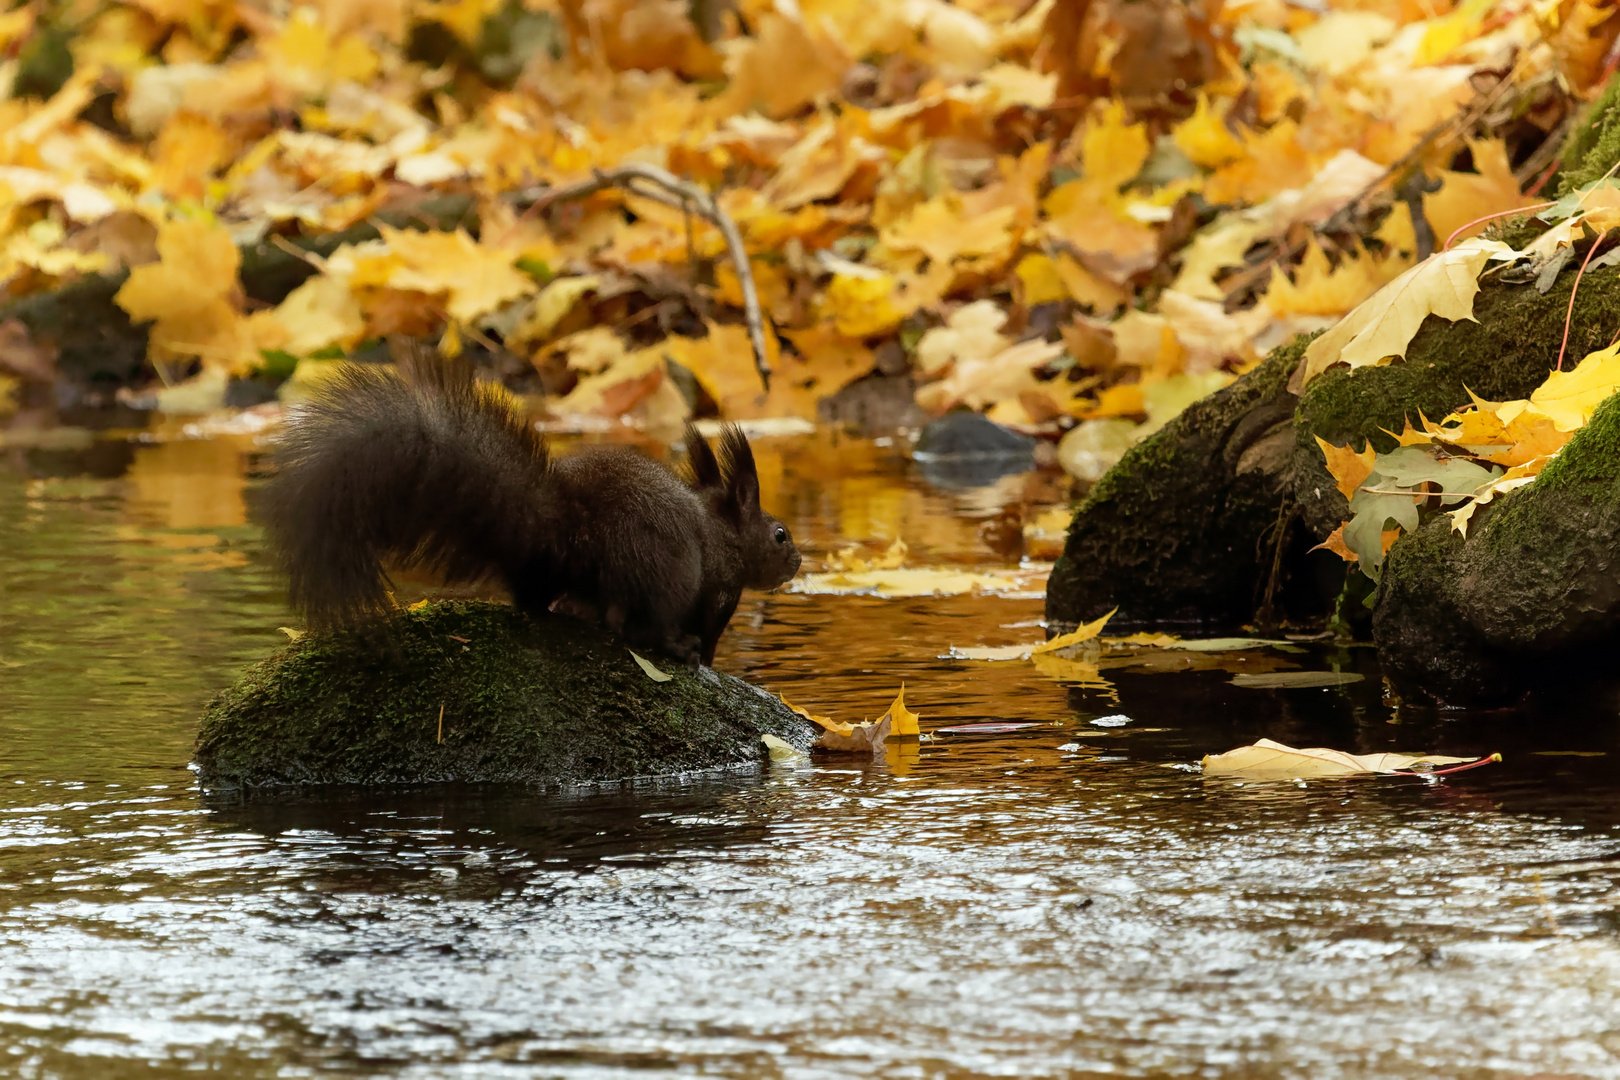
(430, 469)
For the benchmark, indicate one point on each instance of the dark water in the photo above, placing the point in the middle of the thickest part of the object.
(1064, 900)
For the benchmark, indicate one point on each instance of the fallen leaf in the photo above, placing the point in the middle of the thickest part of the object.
(1078, 636)
(780, 750)
(1268, 760)
(1382, 326)
(860, 737)
(1348, 468)
(922, 581)
(646, 665)
(902, 721)
(1297, 680)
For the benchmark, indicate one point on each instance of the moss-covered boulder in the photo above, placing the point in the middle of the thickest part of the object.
(1199, 520)
(1176, 532)
(1531, 597)
(479, 693)
(1502, 356)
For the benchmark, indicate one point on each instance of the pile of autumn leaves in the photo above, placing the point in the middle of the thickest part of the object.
(908, 175)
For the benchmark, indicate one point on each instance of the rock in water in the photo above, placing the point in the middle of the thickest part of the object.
(546, 702)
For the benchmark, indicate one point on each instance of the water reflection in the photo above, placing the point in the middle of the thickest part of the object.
(1061, 900)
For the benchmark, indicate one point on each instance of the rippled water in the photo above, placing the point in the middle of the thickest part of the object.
(1063, 900)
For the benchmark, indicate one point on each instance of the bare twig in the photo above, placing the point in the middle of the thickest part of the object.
(651, 182)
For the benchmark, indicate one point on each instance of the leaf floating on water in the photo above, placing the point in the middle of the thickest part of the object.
(824, 722)
(989, 652)
(1268, 760)
(902, 720)
(923, 581)
(860, 737)
(1296, 680)
(1116, 720)
(780, 749)
(1079, 672)
(646, 665)
(1078, 636)
(1228, 644)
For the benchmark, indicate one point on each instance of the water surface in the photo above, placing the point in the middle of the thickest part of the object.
(1069, 899)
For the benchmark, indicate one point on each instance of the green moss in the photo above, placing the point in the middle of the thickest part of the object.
(1506, 353)
(536, 701)
(1173, 532)
(1533, 589)
(1594, 145)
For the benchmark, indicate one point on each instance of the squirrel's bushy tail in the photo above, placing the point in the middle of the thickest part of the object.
(426, 469)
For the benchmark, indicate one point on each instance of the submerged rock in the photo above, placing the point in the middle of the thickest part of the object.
(546, 702)
(967, 450)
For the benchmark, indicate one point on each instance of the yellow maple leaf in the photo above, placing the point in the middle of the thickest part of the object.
(1102, 296)
(1447, 33)
(723, 363)
(1112, 246)
(1335, 543)
(902, 720)
(862, 304)
(971, 332)
(189, 295)
(1112, 151)
(1466, 197)
(1078, 636)
(1273, 161)
(1382, 326)
(1040, 280)
(1219, 246)
(1568, 398)
(476, 278)
(1205, 138)
(1123, 399)
(464, 18)
(319, 313)
(1321, 289)
(938, 229)
(1348, 468)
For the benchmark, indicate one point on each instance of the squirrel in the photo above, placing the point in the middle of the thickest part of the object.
(430, 468)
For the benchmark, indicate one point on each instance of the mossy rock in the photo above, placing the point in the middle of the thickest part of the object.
(541, 702)
(1176, 532)
(1504, 355)
(1529, 600)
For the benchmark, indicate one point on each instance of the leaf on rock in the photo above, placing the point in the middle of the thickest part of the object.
(647, 666)
(1349, 469)
(1383, 325)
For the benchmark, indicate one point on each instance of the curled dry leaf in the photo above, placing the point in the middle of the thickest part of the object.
(1268, 760)
(780, 749)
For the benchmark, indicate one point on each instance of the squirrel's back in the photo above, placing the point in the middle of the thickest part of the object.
(431, 469)
(428, 469)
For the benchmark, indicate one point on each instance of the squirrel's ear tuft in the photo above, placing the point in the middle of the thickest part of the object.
(742, 479)
(700, 459)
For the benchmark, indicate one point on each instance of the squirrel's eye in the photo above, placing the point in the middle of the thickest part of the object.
(781, 535)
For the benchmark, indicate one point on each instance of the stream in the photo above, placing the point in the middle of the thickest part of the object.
(1066, 899)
